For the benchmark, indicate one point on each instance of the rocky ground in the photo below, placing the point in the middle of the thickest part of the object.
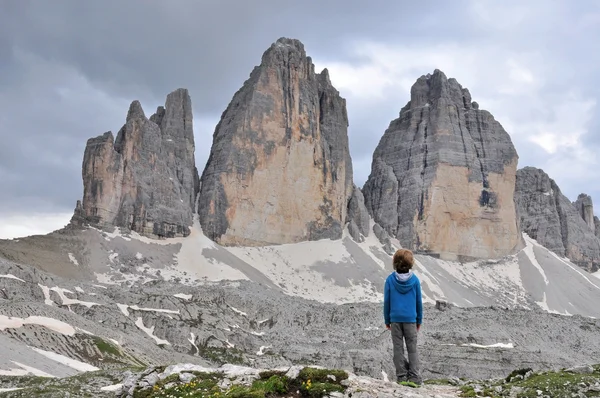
(247, 324)
(188, 380)
(124, 303)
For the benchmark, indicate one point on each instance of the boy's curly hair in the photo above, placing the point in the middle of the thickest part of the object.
(403, 261)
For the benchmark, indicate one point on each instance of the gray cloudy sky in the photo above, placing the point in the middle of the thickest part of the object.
(69, 70)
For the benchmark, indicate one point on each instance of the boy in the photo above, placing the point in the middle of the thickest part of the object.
(403, 315)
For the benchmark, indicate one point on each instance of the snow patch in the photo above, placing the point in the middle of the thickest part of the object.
(291, 267)
(24, 371)
(78, 289)
(262, 349)
(139, 256)
(46, 291)
(11, 276)
(432, 283)
(493, 277)
(114, 387)
(191, 261)
(242, 313)
(73, 259)
(370, 243)
(192, 340)
(528, 250)
(68, 301)
(385, 376)
(123, 308)
(183, 296)
(496, 345)
(115, 234)
(569, 264)
(149, 331)
(72, 363)
(50, 323)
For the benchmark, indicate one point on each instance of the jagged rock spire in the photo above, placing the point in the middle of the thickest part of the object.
(279, 170)
(145, 180)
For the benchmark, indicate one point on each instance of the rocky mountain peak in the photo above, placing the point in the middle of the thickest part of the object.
(549, 217)
(442, 177)
(135, 111)
(280, 168)
(430, 88)
(145, 180)
(289, 53)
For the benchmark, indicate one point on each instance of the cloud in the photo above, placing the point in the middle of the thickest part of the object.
(549, 123)
(573, 115)
(21, 225)
(44, 126)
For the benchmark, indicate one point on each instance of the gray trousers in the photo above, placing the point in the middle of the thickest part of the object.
(406, 370)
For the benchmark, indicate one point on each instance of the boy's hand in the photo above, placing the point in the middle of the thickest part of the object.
(388, 327)
(418, 327)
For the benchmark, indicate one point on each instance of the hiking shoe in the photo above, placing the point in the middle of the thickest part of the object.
(409, 384)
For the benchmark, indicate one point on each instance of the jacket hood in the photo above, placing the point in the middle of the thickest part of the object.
(403, 283)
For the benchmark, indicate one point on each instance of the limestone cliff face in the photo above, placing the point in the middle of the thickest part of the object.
(443, 176)
(585, 207)
(597, 226)
(145, 180)
(279, 170)
(549, 217)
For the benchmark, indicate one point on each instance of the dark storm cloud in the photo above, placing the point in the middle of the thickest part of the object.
(211, 45)
(70, 68)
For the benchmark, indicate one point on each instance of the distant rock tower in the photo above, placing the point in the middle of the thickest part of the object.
(585, 207)
(549, 217)
(145, 180)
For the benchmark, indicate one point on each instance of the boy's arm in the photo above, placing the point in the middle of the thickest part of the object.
(419, 305)
(386, 303)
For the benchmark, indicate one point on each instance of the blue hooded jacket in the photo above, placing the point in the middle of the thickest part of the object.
(402, 301)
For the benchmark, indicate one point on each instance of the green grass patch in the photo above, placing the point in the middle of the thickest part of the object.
(270, 384)
(221, 356)
(553, 384)
(105, 347)
(322, 375)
